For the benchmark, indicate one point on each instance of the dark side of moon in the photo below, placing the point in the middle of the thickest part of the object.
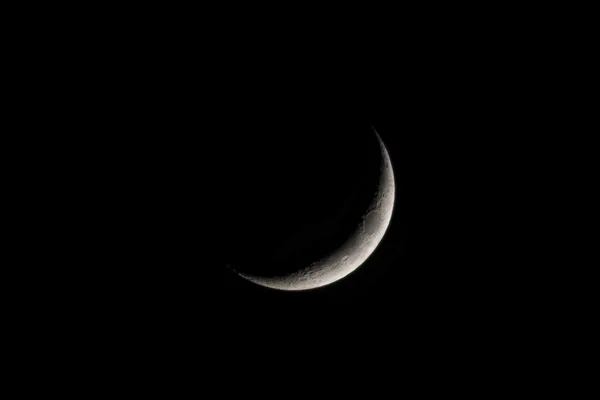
(313, 209)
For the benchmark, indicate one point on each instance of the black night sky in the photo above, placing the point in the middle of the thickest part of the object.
(164, 150)
(173, 150)
(194, 168)
(237, 175)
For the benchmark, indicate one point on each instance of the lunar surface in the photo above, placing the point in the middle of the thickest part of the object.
(355, 250)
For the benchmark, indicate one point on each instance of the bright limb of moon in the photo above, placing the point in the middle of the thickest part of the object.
(355, 251)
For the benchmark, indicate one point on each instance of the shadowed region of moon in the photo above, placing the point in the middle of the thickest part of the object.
(318, 207)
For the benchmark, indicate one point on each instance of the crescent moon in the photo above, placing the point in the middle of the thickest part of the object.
(355, 251)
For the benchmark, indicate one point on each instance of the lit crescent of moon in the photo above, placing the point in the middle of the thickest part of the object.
(355, 251)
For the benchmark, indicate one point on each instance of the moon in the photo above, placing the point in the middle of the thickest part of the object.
(355, 250)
